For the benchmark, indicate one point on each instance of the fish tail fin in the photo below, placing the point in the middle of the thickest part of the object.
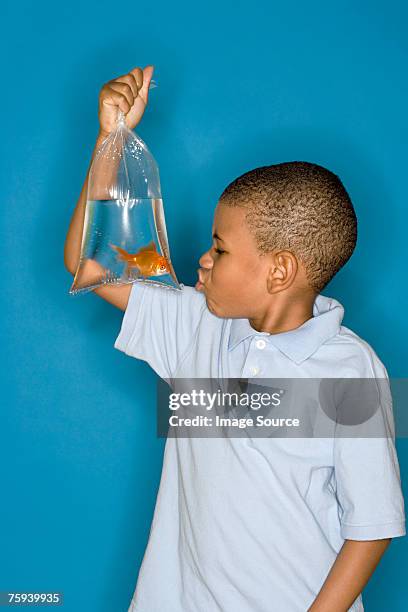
(121, 252)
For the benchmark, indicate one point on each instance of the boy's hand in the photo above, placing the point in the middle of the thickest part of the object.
(129, 93)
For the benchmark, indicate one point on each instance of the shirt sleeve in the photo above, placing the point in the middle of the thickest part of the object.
(159, 325)
(367, 474)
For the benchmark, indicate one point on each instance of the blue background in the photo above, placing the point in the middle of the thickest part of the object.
(240, 85)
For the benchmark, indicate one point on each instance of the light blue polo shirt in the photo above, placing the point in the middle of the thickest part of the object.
(254, 525)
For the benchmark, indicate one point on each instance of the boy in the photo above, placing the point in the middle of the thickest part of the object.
(261, 525)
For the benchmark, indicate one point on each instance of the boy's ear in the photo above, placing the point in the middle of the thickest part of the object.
(282, 272)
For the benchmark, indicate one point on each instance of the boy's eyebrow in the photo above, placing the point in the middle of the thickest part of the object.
(215, 235)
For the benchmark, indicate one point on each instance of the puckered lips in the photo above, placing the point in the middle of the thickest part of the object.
(200, 283)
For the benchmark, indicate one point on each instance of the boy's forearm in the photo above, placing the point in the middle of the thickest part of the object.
(72, 248)
(349, 574)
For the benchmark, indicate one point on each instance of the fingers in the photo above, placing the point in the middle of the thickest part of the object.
(123, 90)
(135, 81)
(115, 93)
(137, 74)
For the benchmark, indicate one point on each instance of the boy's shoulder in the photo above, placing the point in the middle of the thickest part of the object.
(357, 354)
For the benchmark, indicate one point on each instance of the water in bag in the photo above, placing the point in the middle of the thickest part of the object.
(124, 236)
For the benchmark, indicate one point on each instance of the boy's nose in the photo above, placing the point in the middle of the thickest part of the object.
(206, 261)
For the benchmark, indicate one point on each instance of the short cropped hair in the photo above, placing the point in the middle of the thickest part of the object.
(300, 207)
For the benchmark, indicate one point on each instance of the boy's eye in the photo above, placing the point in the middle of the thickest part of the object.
(219, 251)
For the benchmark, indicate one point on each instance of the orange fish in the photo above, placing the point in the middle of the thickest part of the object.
(147, 260)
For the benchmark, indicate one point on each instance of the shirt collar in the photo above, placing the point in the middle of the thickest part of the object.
(300, 343)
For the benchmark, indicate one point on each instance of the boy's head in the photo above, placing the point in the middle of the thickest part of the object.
(287, 227)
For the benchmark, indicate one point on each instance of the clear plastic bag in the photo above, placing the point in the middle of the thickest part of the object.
(124, 237)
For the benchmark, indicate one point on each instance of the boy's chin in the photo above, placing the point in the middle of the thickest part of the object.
(215, 310)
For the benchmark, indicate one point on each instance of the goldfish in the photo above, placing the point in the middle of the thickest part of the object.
(147, 260)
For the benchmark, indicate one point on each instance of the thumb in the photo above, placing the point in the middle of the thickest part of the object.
(147, 77)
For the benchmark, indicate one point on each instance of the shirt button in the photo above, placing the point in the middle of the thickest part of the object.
(260, 344)
(254, 370)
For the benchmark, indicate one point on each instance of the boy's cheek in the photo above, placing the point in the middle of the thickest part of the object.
(218, 277)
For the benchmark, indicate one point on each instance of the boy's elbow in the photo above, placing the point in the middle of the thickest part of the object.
(69, 265)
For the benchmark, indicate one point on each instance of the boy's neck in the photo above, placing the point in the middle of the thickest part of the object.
(285, 315)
